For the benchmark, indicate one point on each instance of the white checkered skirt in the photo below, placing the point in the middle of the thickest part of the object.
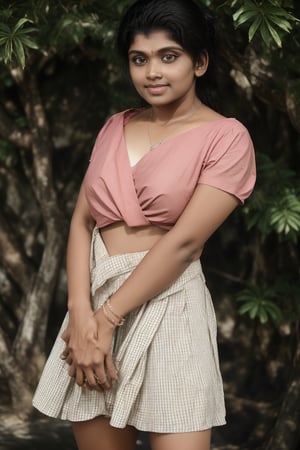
(166, 353)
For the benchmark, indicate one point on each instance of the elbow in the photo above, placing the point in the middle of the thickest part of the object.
(190, 251)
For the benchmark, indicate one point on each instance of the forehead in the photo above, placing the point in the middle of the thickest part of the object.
(153, 41)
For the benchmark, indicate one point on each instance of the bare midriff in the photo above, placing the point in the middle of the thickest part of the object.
(120, 238)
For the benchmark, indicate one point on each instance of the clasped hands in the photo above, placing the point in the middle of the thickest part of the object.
(88, 339)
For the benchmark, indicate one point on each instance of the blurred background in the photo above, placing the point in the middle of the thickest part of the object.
(60, 79)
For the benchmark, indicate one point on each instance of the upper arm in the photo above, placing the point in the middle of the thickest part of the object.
(230, 165)
(205, 212)
(227, 178)
(81, 214)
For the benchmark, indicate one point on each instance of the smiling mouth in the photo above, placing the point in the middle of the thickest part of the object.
(156, 89)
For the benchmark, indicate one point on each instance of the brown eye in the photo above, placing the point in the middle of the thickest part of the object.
(138, 60)
(169, 58)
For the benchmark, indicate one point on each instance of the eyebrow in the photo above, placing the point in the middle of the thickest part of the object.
(161, 50)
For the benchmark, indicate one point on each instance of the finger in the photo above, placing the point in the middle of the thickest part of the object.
(111, 368)
(69, 360)
(99, 369)
(64, 355)
(65, 336)
(92, 380)
(80, 377)
(101, 378)
(102, 383)
(72, 371)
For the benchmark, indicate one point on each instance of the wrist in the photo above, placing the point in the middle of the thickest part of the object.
(79, 307)
(102, 320)
(118, 306)
(111, 315)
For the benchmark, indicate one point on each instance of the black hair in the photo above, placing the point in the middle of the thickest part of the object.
(189, 25)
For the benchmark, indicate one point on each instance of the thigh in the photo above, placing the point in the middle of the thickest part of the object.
(98, 434)
(199, 440)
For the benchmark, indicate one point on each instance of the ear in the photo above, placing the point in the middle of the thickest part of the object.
(201, 64)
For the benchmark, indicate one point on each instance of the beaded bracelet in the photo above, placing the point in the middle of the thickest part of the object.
(109, 317)
(121, 319)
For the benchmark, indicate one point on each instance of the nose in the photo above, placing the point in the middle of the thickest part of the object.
(154, 70)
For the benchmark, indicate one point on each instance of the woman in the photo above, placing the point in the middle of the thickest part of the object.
(138, 348)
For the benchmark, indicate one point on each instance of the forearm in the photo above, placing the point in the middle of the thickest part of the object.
(163, 264)
(172, 254)
(78, 272)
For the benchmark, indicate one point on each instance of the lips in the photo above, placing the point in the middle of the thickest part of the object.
(157, 89)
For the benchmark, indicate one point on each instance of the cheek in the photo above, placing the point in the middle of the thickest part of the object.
(137, 86)
(136, 76)
(137, 83)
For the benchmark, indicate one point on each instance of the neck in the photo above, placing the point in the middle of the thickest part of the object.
(162, 115)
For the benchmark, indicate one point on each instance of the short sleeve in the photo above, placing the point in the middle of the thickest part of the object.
(108, 127)
(230, 165)
(100, 136)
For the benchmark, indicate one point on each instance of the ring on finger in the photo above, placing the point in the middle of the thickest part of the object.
(98, 380)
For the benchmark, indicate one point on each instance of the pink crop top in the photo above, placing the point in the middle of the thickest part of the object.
(157, 188)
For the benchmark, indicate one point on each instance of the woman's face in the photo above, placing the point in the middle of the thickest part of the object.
(161, 70)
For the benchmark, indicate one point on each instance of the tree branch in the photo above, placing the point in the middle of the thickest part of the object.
(31, 334)
(9, 132)
(15, 378)
(13, 257)
(286, 432)
(262, 75)
(293, 102)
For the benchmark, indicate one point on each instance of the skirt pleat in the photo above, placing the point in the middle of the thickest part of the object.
(166, 354)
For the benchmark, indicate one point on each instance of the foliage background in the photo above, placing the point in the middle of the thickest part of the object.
(60, 79)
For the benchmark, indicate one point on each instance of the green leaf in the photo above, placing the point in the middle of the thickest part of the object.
(19, 52)
(267, 16)
(281, 23)
(20, 24)
(245, 17)
(29, 42)
(274, 34)
(253, 311)
(265, 33)
(244, 9)
(253, 28)
(237, 14)
(278, 11)
(259, 303)
(8, 51)
(234, 2)
(4, 28)
(245, 308)
(26, 31)
(263, 316)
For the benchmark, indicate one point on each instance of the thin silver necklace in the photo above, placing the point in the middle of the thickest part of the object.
(156, 144)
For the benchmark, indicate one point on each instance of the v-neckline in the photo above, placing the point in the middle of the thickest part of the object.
(162, 144)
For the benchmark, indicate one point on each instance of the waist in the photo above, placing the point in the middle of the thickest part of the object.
(110, 271)
(120, 238)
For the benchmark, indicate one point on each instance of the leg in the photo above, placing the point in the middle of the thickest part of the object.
(97, 434)
(199, 440)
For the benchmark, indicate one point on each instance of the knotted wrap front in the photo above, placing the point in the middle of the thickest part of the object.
(154, 353)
